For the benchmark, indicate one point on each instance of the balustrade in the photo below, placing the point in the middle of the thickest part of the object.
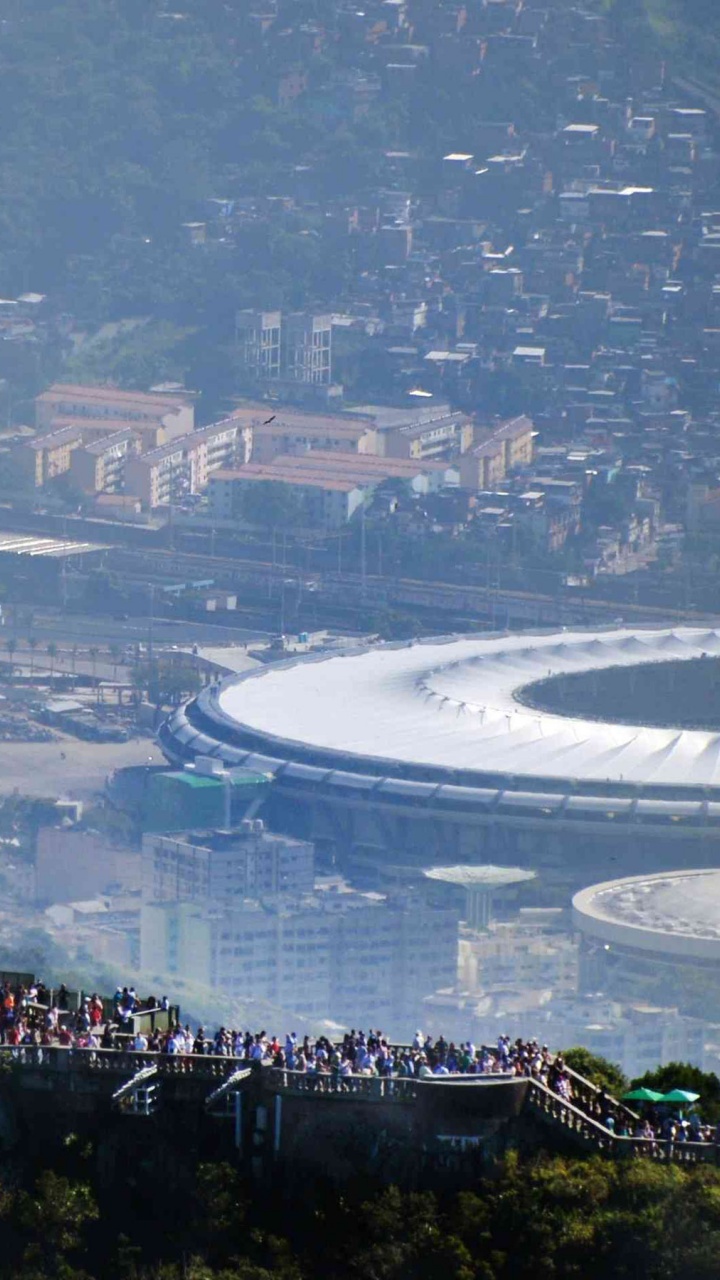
(125, 1062)
(592, 1131)
(561, 1112)
(374, 1088)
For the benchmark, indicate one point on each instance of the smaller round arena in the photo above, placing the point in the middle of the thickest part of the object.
(654, 938)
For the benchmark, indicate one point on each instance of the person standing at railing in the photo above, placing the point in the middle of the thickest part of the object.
(345, 1074)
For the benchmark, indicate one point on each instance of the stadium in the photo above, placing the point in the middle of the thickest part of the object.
(572, 751)
(653, 936)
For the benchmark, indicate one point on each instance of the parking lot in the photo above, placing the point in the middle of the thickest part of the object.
(71, 769)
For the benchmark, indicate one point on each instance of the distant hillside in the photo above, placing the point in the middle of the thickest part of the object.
(689, 30)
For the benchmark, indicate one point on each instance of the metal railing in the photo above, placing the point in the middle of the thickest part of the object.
(231, 1074)
(145, 1073)
(595, 1134)
(375, 1088)
(228, 1086)
(125, 1062)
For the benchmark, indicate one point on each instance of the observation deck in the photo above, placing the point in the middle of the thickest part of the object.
(270, 1119)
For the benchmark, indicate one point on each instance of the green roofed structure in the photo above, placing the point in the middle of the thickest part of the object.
(185, 798)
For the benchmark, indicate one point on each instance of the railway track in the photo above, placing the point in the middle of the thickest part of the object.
(364, 592)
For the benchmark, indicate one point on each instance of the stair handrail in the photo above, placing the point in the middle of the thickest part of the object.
(228, 1085)
(604, 1135)
(145, 1073)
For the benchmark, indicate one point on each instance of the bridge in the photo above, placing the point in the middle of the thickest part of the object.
(270, 1120)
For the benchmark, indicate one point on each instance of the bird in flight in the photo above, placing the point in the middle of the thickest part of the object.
(269, 420)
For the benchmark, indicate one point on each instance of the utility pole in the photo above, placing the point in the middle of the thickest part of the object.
(150, 625)
(282, 584)
(363, 566)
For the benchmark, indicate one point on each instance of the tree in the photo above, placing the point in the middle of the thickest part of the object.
(683, 1075)
(272, 505)
(603, 1074)
(166, 682)
(53, 1219)
(93, 651)
(32, 646)
(11, 646)
(115, 653)
(52, 652)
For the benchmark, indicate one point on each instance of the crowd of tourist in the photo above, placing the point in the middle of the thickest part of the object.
(38, 1016)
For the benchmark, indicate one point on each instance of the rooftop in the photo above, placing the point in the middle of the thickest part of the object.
(452, 704)
(318, 467)
(20, 544)
(487, 877)
(677, 912)
(61, 391)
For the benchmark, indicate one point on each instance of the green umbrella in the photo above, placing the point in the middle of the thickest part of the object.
(680, 1095)
(643, 1095)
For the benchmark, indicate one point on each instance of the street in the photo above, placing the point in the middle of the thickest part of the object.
(84, 629)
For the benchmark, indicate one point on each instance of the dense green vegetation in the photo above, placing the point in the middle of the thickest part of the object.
(683, 1075)
(550, 1217)
(603, 1074)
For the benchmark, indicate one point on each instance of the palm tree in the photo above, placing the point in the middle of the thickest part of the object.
(73, 660)
(52, 651)
(93, 652)
(11, 646)
(32, 646)
(115, 653)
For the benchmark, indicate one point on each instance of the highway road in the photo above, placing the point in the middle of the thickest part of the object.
(87, 629)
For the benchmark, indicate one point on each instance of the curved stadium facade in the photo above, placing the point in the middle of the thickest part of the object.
(652, 935)
(470, 748)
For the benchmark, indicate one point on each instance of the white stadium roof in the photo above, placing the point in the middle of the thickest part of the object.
(451, 704)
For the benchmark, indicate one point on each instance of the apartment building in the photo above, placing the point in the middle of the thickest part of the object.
(150, 432)
(184, 464)
(417, 433)
(74, 862)
(257, 335)
(295, 348)
(158, 476)
(36, 460)
(331, 487)
(327, 501)
(499, 451)
(307, 348)
(221, 444)
(533, 950)
(99, 466)
(215, 865)
(176, 413)
(334, 953)
(293, 432)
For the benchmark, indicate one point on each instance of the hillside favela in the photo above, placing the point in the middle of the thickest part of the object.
(360, 640)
